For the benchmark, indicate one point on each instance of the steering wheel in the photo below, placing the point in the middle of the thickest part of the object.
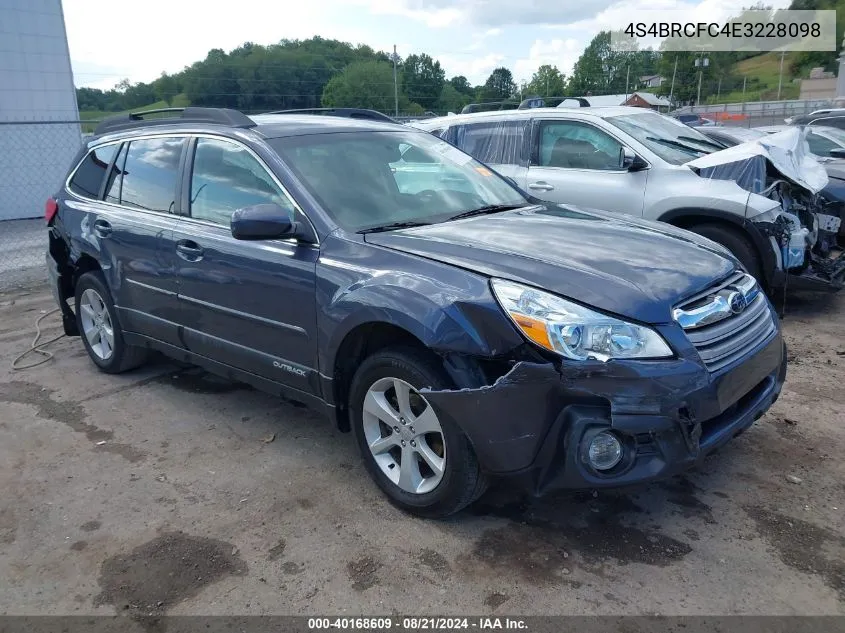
(426, 195)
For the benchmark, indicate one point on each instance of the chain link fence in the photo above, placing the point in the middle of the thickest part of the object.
(34, 158)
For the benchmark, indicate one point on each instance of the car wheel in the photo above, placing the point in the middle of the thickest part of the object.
(99, 327)
(736, 243)
(423, 463)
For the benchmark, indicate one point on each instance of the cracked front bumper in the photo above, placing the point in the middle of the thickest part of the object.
(536, 422)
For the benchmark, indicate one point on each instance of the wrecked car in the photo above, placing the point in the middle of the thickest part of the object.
(459, 329)
(642, 163)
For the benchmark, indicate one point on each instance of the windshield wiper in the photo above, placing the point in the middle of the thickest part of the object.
(393, 226)
(490, 208)
(701, 141)
(681, 146)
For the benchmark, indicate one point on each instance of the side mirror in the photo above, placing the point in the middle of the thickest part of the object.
(838, 152)
(629, 161)
(262, 222)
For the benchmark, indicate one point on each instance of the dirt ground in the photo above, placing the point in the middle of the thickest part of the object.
(166, 490)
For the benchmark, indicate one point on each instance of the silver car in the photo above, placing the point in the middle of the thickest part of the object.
(625, 159)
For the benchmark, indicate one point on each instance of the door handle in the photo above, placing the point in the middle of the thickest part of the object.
(102, 228)
(189, 250)
(540, 185)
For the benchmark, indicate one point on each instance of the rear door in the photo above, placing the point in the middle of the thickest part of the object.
(575, 162)
(248, 304)
(129, 230)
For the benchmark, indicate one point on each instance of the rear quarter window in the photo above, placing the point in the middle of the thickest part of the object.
(88, 178)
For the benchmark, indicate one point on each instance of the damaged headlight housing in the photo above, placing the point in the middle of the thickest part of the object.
(573, 331)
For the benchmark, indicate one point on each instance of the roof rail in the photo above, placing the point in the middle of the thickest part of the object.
(550, 102)
(351, 113)
(219, 116)
(488, 106)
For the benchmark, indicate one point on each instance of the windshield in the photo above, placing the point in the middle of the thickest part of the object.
(366, 180)
(834, 134)
(670, 139)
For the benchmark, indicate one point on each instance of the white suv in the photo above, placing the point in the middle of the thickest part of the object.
(624, 159)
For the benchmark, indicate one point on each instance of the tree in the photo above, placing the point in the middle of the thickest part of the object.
(451, 100)
(462, 85)
(361, 85)
(499, 85)
(166, 87)
(548, 81)
(423, 79)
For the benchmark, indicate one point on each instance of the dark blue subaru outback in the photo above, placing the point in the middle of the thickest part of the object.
(460, 329)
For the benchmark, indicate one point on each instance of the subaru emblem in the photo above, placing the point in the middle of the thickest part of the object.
(737, 302)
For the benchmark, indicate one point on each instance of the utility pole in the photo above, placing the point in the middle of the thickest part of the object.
(719, 90)
(395, 85)
(744, 79)
(701, 63)
(780, 76)
(627, 80)
(674, 72)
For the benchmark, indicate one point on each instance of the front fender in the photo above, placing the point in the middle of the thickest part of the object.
(449, 309)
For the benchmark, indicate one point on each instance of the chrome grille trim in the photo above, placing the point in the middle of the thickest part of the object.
(731, 336)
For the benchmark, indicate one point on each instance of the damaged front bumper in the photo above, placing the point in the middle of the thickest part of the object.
(536, 422)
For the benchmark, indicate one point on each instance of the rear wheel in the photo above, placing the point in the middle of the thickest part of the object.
(424, 464)
(99, 327)
(736, 243)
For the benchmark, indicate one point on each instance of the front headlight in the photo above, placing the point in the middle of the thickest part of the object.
(573, 331)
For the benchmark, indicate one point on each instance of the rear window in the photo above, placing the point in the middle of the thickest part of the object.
(87, 180)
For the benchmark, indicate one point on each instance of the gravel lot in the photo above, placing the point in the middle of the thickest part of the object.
(166, 490)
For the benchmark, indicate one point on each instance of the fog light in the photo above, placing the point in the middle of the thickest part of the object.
(605, 451)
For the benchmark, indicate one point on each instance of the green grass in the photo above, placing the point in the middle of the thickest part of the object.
(762, 72)
(179, 101)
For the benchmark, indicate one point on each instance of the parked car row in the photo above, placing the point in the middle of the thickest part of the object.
(460, 328)
(639, 162)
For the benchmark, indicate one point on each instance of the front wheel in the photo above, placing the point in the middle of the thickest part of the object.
(424, 464)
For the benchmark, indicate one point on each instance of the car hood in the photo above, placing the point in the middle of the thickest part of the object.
(615, 263)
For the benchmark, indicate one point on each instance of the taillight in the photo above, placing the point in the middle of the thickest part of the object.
(51, 207)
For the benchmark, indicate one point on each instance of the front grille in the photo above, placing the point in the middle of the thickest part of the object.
(721, 343)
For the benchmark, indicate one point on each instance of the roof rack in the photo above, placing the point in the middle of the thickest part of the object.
(219, 116)
(351, 113)
(488, 106)
(550, 102)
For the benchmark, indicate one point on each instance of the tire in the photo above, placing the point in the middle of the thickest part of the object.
(112, 356)
(461, 481)
(736, 243)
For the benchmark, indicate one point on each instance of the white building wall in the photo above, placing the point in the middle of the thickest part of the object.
(37, 102)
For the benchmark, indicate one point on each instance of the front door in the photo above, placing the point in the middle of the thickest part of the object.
(577, 163)
(248, 304)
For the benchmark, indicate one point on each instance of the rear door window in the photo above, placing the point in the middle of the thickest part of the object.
(493, 142)
(88, 179)
(149, 175)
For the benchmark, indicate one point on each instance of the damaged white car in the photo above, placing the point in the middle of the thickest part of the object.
(804, 228)
(760, 200)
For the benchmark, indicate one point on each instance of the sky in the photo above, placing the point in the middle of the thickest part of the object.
(116, 39)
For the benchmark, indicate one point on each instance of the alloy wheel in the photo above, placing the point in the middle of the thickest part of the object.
(404, 435)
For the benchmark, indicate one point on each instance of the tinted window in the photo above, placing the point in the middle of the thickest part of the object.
(88, 178)
(150, 174)
(494, 142)
(225, 178)
(577, 146)
(114, 181)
